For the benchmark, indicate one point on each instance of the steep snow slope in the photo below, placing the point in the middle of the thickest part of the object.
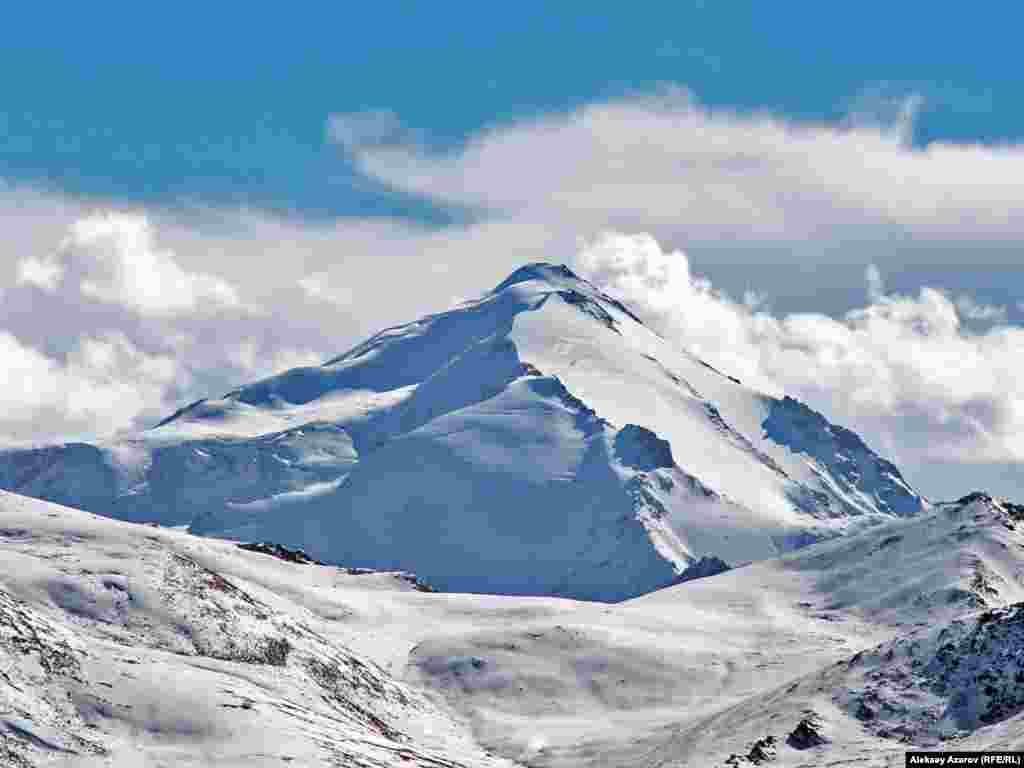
(539, 440)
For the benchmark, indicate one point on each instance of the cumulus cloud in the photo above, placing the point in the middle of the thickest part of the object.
(114, 257)
(106, 330)
(902, 370)
(106, 384)
(42, 273)
(103, 386)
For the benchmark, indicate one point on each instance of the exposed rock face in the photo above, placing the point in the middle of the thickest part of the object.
(641, 449)
(841, 453)
(280, 552)
(806, 734)
(299, 557)
(589, 307)
(1014, 512)
(709, 565)
(762, 751)
(956, 678)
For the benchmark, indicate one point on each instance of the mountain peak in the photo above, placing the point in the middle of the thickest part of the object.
(565, 281)
(554, 274)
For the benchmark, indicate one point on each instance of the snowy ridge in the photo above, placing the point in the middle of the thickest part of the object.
(504, 432)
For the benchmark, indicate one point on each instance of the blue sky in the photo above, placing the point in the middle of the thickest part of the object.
(227, 103)
(201, 196)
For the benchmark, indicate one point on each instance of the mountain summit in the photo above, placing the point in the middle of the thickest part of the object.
(538, 440)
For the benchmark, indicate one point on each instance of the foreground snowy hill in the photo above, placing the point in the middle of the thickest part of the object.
(130, 645)
(694, 673)
(540, 440)
(126, 645)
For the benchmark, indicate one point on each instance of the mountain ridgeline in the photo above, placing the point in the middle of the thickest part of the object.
(540, 440)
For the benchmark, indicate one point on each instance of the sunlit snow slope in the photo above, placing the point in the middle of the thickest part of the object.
(540, 440)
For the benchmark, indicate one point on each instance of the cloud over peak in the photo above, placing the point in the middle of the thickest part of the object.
(903, 370)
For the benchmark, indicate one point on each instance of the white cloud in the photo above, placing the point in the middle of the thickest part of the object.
(319, 287)
(356, 130)
(249, 355)
(115, 258)
(106, 384)
(43, 273)
(26, 375)
(687, 174)
(902, 370)
(101, 387)
(107, 330)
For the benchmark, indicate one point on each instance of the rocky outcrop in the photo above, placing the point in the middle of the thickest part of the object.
(953, 679)
(280, 552)
(642, 449)
(807, 734)
(709, 565)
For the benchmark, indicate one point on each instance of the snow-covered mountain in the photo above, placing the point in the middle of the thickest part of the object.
(125, 645)
(540, 440)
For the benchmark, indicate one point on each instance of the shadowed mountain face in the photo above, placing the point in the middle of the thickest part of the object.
(540, 440)
(841, 453)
